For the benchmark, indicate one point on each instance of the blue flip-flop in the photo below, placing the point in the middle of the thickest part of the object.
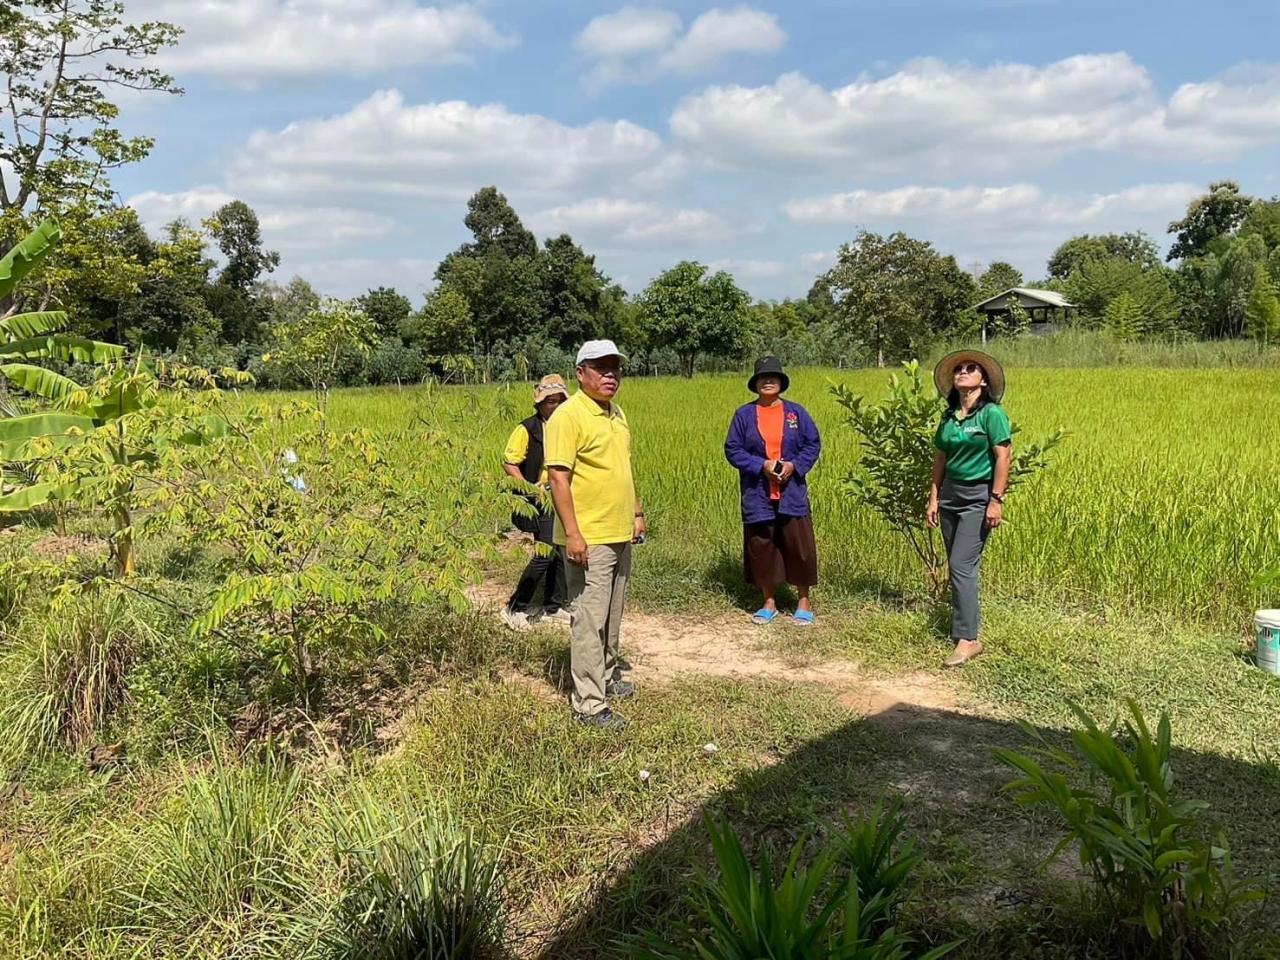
(802, 618)
(763, 617)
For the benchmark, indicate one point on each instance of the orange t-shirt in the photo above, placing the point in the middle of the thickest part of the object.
(769, 423)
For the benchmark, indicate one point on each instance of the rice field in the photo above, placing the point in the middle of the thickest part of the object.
(1163, 498)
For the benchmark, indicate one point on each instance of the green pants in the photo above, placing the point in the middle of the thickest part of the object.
(596, 595)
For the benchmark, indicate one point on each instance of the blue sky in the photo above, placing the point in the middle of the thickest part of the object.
(753, 137)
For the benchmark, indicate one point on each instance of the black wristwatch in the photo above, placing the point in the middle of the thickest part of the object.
(998, 498)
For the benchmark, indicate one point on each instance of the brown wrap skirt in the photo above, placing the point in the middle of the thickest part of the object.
(781, 550)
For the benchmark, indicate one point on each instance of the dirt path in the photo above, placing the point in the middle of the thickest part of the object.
(663, 647)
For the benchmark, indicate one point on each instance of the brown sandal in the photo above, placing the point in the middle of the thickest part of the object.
(961, 657)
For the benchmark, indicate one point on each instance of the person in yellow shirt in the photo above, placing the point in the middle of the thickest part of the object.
(523, 460)
(598, 518)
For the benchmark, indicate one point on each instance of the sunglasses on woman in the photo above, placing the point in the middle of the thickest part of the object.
(968, 368)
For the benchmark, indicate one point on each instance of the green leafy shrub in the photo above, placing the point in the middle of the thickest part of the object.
(319, 533)
(1141, 845)
(63, 672)
(896, 463)
(813, 912)
(392, 362)
(413, 887)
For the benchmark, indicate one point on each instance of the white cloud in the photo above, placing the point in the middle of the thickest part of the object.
(718, 34)
(388, 151)
(748, 269)
(156, 209)
(631, 223)
(1020, 204)
(637, 45)
(248, 40)
(352, 276)
(936, 118)
(294, 230)
(628, 32)
(1216, 118)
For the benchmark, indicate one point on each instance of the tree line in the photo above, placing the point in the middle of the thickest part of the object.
(503, 304)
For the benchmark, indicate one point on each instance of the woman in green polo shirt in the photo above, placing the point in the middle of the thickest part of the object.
(970, 477)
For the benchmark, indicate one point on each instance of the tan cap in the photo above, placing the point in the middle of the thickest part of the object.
(549, 386)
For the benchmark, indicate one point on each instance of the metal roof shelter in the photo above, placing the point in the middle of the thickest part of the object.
(1047, 302)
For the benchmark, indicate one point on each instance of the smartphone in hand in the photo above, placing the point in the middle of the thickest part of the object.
(777, 469)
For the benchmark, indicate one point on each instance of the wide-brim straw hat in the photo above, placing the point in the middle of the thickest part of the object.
(944, 373)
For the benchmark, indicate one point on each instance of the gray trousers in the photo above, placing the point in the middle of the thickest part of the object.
(596, 596)
(962, 512)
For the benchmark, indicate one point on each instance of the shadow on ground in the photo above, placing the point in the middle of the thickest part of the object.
(983, 879)
(724, 575)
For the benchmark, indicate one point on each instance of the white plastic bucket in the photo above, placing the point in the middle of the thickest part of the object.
(1267, 623)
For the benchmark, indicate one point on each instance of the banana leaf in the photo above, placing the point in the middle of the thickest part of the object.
(26, 325)
(39, 381)
(210, 428)
(26, 256)
(117, 404)
(34, 496)
(16, 431)
(64, 347)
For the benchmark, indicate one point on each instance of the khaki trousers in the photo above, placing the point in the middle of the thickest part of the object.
(596, 595)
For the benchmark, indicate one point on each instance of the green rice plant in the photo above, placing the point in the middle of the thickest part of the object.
(812, 912)
(413, 887)
(1141, 845)
(226, 865)
(63, 673)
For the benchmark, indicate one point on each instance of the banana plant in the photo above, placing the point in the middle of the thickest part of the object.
(40, 335)
(35, 336)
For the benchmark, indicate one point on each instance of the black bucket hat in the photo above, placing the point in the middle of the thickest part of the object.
(768, 365)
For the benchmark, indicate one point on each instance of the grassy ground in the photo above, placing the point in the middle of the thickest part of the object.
(1122, 573)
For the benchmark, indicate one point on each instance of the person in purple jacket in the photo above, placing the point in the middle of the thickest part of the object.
(774, 443)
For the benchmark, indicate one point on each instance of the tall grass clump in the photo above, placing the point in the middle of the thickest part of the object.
(818, 911)
(413, 886)
(227, 865)
(1094, 348)
(63, 673)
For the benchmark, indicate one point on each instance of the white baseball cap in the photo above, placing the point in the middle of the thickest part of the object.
(595, 349)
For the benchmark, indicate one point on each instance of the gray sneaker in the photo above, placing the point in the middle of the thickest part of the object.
(619, 689)
(606, 719)
(516, 621)
(557, 615)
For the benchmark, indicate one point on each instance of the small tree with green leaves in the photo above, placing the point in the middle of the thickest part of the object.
(1123, 319)
(324, 533)
(106, 444)
(1262, 312)
(310, 347)
(896, 466)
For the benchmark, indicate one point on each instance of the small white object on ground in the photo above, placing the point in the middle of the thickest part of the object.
(710, 748)
(644, 776)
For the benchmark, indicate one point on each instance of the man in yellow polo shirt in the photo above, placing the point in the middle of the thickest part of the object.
(598, 518)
